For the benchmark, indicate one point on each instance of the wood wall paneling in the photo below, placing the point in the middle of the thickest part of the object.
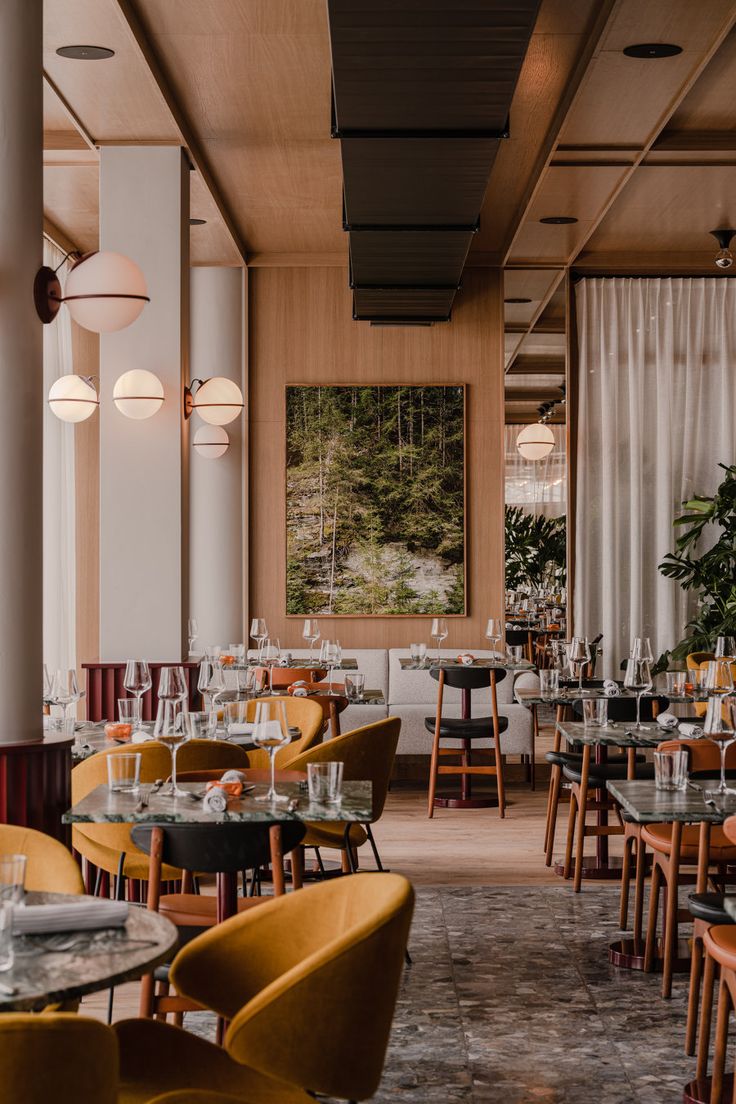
(86, 360)
(301, 331)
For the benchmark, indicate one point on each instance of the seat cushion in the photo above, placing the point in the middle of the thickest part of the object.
(720, 942)
(616, 768)
(708, 907)
(564, 758)
(326, 834)
(659, 838)
(476, 728)
(194, 910)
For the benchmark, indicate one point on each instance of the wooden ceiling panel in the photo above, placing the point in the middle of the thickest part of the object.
(70, 196)
(204, 18)
(709, 106)
(526, 283)
(210, 244)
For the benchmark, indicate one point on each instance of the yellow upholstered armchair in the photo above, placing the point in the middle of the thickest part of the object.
(50, 868)
(295, 978)
(57, 1057)
(301, 713)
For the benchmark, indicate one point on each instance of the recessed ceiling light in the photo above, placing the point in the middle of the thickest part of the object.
(558, 220)
(517, 300)
(653, 50)
(85, 53)
(197, 222)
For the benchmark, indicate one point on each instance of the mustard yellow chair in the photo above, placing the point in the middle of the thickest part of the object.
(50, 868)
(301, 713)
(308, 983)
(367, 754)
(103, 844)
(57, 1057)
(697, 661)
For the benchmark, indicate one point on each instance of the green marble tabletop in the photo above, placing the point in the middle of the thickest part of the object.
(645, 804)
(570, 694)
(501, 664)
(347, 663)
(616, 734)
(100, 806)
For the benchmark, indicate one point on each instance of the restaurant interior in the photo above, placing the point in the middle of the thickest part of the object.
(368, 602)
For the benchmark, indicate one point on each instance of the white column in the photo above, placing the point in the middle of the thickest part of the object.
(144, 213)
(21, 372)
(216, 499)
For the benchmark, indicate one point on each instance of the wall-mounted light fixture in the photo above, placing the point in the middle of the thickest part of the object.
(218, 400)
(104, 292)
(73, 398)
(211, 442)
(724, 256)
(138, 394)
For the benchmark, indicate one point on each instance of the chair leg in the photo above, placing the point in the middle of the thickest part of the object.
(582, 811)
(556, 785)
(720, 1043)
(433, 777)
(706, 1011)
(693, 996)
(500, 782)
(652, 922)
(641, 873)
(671, 927)
(623, 912)
(372, 842)
(570, 832)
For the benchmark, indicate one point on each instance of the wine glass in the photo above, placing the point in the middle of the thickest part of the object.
(439, 632)
(725, 647)
(311, 633)
(718, 678)
(210, 682)
(270, 655)
(172, 691)
(578, 658)
(65, 691)
(720, 718)
(271, 731)
(259, 632)
(137, 680)
(638, 677)
(192, 633)
(493, 632)
(331, 655)
(642, 649)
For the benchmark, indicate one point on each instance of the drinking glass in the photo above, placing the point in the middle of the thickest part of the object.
(549, 684)
(439, 633)
(172, 692)
(595, 712)
(324, 781)
(235, 716)
(311, 634)
(137, 679)
(129, 713)
(638, 678)
(192, 633)
(65, 691)
(354, 686)
(124, 772)
(7, 953)
(12, 878)
(259, 632)
(559, 655)
(331, 655)
(670, 770)
(246, 681)
(210, 682)
(494, 632)
(516, 652)
(47, 684)
(718, 678)
(578, 658)
(271, 731)
(270, 655)
(418, 654)
(676, 683)
(725, 646)
(201, 726)
(719, 727)
(642, 649)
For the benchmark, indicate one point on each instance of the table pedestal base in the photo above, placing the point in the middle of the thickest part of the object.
(593, 869)
(628, 954)
(698, 1091)
(466, 802)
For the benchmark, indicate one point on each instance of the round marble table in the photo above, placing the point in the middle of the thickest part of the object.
(93, 960)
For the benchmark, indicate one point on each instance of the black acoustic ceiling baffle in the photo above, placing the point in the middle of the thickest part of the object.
(421, 97)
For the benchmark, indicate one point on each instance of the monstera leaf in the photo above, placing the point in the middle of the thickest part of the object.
(536, 549)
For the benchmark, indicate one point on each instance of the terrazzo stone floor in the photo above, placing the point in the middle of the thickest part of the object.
(511, 999)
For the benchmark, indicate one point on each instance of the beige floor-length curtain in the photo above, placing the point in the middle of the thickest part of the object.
(537, 486)
(59, 590)
(657, 413)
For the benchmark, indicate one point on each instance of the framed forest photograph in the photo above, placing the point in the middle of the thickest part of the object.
(375, 500)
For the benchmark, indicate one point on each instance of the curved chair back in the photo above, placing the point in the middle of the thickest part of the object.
(703, 756)
(50, 868)
(624, 709)
(697, 659)
(367, 755)
(281, 677)
(302, 713)
(729, 829)
(58, 1056)
(468, 678)
(218, 848)
(339, 948)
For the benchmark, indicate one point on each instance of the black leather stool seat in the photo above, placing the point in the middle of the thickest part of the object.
(564, 758)
(617, 769)
(709, 907)
(475, 728)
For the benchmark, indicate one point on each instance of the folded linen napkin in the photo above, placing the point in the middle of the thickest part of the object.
(241, 729)
(691, 730)
(86, 915)
(466, 658)
(667, 720)
(140, 736)
(611, 688)
(215, 800)
(233, 776)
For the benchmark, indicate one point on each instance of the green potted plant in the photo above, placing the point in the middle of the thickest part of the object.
(536, 549)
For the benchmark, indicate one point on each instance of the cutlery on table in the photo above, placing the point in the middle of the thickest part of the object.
(146, 797)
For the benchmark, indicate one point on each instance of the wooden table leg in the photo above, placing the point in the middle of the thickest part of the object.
(297, 867)
(701, 884)
(671, 911)
(227, 896)
(277, 860)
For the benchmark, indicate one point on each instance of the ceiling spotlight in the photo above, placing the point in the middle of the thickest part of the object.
(73, 398)
(534, 442)
(211, 442)
(515, 300)
(558, 220)
(197, 222)
(652, 50)
(85, 53)
(218, 400)
(138, 394)
(724, 256)
(104, 292)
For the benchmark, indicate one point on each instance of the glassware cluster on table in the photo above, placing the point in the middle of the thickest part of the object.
(538, 607)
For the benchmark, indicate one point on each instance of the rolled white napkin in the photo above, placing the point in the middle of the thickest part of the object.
(667, 720)
(691, 730)
(215, 800)
(240, 729)
(466, 659)
(300, 692)
(233, 776)
(611, 688)
(88, 914)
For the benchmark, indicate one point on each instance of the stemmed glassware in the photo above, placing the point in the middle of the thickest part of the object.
(270, 655)
(271, 731)
(137, 680)
(578, 658)
(638, 677)
(172, 691)
(642, 649)
(331, 655)
(439, 633)
(259, 632)
(65, 691)
(494, 632)
(192, 633)
(311, 634)
(718, 726)
(210, 682)
(725, 647)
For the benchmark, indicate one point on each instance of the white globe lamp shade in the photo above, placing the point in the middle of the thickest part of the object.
(535, 442)
(138, 394)
(211, 442)
(218, 401)
(73, 398)
(105, 292)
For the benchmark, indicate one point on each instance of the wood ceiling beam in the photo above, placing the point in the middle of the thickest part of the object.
(533, 394)
(519, 417)
(536, 364)
(70, 113)
(689, 141)
(58, 237)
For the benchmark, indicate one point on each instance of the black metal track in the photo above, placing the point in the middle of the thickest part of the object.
(421, 97)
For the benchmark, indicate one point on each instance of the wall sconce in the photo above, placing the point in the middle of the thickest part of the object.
(104, 292)
(211, 442)
(218, 400)
(138, 394)
(73, 398)
(534, 442)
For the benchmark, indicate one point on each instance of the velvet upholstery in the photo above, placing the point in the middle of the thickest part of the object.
(57, 1057)
(50, 868)
(303, 713)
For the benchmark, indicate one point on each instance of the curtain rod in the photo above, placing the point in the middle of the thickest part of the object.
(577, 276)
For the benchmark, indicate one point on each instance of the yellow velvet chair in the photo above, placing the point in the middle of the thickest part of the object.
(103, 844)
(302, 713)
(308, 983)
(50, 868)
(368, 754)
(57, 1057)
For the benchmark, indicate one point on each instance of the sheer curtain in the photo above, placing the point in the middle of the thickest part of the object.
(657, 414)
(59, 566)
(537, 486)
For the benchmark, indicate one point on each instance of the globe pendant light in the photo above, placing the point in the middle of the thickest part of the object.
(138, 394)
(534, 442)
(104, 292)
(218, 400)
(73, 398)
(211, 442)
